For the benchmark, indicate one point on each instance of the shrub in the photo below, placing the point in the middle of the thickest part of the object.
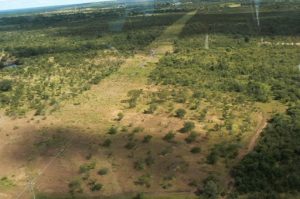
(130, 145)
(96, 187)
(210, 190)
(113, 130)
(75, 187)
(169, 136)
(139, 196)
(192, 137)
(120, 116)
(152, 108)
(180, 113)
(103, 171)
(147, 138)
(144, 180)
(137, 130)
(149, 159)
(106, 143)
(87, 167)
(5, 85)
(195, 150)
(212, 157)
(187, 127)
(139, 165)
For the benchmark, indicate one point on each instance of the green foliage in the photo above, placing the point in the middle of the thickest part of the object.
(85, 168)
(149, 160)
(259, 91)
(195, 150)
(187, 127)
(103, 171)
(120, 116)
(94, 186)
(152, 108)
(75, 187)
(130, 145)
(133, 97)
(180, 113)
(139, 196)
(191, 137)
(5, 85)
(212, 158)
(112, 130)
(223, 150)
(137, 129)
(147, 138)
(56, 56)
(107, 142)
(235, 64)
(5, 182)
(169, 136)
(139, 165)
(273, 165)
(144, 180)
(210, 190)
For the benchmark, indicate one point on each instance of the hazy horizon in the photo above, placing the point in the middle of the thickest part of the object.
(26, 4)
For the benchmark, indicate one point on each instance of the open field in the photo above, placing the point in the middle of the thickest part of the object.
(174, 105)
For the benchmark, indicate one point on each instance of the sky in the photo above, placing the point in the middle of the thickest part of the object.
(19, 4)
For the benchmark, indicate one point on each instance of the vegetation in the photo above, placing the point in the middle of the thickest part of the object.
(180, 113)
(273, 165)
(187, 127)
(103, 171)
(199, 93)
(51, 57)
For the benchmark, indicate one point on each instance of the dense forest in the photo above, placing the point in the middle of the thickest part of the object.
(273, 167)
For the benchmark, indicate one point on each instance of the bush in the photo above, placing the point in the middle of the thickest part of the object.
(139, 165)
(169, 136)
(187, 127)
(192, 137)
(149, 159)
(144, 180)
(120, 116)
(147, 138)
(130, 145)
(180, 113)
(195, 150)
(152, 108)
(95, 186)
(75, 187)
(212, 158)
(87, 167)
(112, 130)
(103, 171)
(5, 85)
(106, 143)
(210, 190)
(139, 196)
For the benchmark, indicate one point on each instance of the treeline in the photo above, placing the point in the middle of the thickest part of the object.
(273, 167)
(243, 21)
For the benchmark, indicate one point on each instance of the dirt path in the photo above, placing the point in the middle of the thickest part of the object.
(229, 180)
(103, 101)
(253, 141)
(95, 109)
